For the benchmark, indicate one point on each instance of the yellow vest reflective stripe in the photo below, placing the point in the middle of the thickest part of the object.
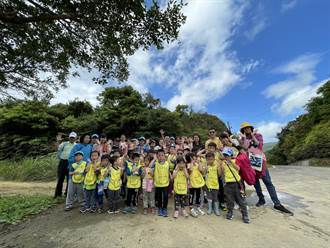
(196, 177)
(133, 181)
(161, 174)
(180, 183)
(78, 168)
(115, 180)
(90, 178)
(212, 177)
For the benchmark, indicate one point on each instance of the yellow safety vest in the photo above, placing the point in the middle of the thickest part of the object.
(180, 183)
(171, 158)
(78, 168)
(133, 181)
(103, 171)
(212, 177)
(90, 178)
(115, 180)
(161, 174)
(196, 177)
(228, 175)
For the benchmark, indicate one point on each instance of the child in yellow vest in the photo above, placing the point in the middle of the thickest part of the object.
(100, 185)
(92, 170)
(148, 186)
(196, 170)
(161, 169)
(133, 171)
(115, 173)
(76, 182)
(213, 171)
(181, 177)
(232, 186)
(218, 158)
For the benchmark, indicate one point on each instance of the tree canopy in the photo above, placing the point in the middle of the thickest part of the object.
(30, 127)
(309, 135)
(41, 39)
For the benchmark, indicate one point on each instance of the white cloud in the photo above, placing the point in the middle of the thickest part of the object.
(287, 5)
(199, 67)
(299, 86)
(269, 130)
(259, 22)
(81, 88)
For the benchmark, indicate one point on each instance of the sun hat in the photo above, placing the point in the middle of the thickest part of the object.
(244, 125)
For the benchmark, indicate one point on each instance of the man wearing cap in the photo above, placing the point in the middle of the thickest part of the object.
(213, 138)
(252, 140)
(63, 153)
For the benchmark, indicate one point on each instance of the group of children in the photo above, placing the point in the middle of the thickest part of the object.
(192, 178)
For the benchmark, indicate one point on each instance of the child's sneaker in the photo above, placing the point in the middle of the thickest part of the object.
(246, 219)
(194, 212)
(68, 208)
(229, 215)
(176, 214)
(134, 210)
(200, 211)
(160, 212)
(83, 210)
(127, 210)
(184, 212)
(165, 214)
(223, 207)
(110, 211)
(145, 211)
(216, 210)
(117, 211)
(93, 210)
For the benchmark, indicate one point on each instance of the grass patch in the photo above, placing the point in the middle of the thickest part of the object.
(16, 208)
(42, 168)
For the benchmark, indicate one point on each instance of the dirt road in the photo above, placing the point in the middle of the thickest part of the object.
(305, 190)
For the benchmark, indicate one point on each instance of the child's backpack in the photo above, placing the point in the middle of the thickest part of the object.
(247, 173)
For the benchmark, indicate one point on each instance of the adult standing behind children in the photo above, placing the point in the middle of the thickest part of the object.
(249, 140)
(63, 154)
(85, 146)
(213, 138)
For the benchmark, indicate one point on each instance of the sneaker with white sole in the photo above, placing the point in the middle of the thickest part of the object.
(194, 212)
(200, 211)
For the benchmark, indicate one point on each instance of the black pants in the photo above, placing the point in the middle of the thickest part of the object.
(162, 197)
(233, 195)
(114, 196)
(221, 192)
(131, 197)
(195, 196)
(180, 201)
(62, 173)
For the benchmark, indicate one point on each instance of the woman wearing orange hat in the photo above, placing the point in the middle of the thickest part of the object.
(253, 141)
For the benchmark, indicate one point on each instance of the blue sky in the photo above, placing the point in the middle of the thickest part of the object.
(244, 60)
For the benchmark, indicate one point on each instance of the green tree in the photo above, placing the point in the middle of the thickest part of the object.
(308, 135)
(42, 39)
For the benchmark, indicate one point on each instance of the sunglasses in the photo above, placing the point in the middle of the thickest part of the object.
(212, 132)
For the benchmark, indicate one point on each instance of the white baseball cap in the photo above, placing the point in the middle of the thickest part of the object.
(72, 135)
